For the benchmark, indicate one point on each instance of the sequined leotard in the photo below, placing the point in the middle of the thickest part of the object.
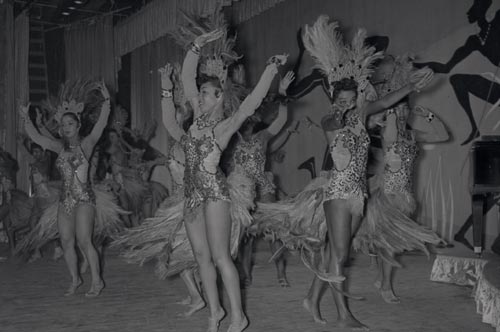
(203, 179)
(349, 181)
(250, 157)
(400, 159)
(74, 168)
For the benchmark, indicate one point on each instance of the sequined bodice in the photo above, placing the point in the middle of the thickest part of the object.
(251, 155)
(203, 178)
(74, 168)
(400, 158)
(349, 150)
(176, 162)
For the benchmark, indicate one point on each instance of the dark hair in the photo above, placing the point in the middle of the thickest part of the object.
(71, 115)
(34, 146)
(214, 81)
(345, 84)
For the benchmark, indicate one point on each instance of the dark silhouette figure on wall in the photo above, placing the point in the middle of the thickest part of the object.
(485, 42)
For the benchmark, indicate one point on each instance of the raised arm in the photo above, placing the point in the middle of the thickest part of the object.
(427, 126)
(461, 53)
(167, 104)
(190, 64)
(278, 123)
(306, 85)
(418, 81)
(45, 142)
(251, 102)
(90, 141)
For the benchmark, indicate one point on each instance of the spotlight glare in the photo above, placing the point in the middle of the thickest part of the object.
(71, 7)
(78, 2)
(65, 13)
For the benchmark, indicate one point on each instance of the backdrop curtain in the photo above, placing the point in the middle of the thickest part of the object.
(89, 50)
(21, 95)
(145, 88)
(7, 74)
(158, 17)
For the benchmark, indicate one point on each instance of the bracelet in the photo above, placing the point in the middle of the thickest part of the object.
(195, 48)
(166, 93)
(430, 117)
(390, 111)
(274, 59)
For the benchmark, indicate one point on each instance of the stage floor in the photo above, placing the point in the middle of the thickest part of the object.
(134, 300)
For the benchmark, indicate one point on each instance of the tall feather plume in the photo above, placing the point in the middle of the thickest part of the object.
(337, 59)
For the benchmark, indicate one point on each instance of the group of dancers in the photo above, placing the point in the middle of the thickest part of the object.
(222, 195)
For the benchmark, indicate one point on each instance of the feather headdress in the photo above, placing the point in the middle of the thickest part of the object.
(337, 59)
(216, 57)
(80, 97)
(399, 77)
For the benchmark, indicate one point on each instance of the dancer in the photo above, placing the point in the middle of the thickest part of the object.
(207, 220)
(163, 237)
(248, 159)
(76, 209)
(388, 228)
(345, 71)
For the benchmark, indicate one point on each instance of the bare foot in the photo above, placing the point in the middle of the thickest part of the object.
(238, 326)
(283, 282)
(186, 301)
(95, 289)
(213, 322)
(351, 323)
(313, 310)
(389, 296)
(194, 307)
(73, 287)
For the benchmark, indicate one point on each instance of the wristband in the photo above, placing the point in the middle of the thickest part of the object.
(430, 117)
(275, 60)
(166, 93)
(195, 48)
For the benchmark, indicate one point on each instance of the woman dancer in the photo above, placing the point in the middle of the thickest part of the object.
(388, 228)
(345, 69)
(248, 158)
(163, 237)
(76, 209)
(207, 198)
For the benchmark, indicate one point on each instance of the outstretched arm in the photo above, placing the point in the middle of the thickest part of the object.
(90, 141)
(418, 80)
(44, 142)
(190, 64)
(167, 104)
(461, 53)
(251, 102)
(306, 85)
(278, 123)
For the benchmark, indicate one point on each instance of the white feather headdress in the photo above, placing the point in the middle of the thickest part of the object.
(337, 59)
(400, 76)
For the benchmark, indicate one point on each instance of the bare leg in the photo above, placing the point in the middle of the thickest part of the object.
(124, 203)
(280, 263)
(219, 235)
(386, 283)
(197, 234)
(340, 223)
(66, 225)
(84, 228)
(245, 259)
(196, 301)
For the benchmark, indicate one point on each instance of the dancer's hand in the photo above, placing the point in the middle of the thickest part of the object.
(209, 37)
(101, 86)
(165, 74)
(420, 78)
(285, 82)
(279, 59)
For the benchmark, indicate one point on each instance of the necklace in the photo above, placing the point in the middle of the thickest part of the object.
(204, 121)
(481, 39)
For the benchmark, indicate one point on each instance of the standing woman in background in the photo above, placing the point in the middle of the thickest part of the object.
(77, 203)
